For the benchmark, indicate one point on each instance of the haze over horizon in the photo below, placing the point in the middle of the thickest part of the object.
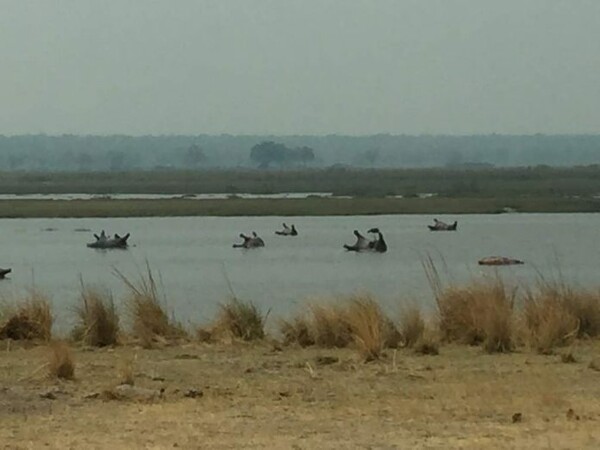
(268, 67)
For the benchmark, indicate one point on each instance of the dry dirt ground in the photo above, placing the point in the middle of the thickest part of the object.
(259, 396)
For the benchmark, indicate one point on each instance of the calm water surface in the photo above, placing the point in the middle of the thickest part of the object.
(194, 257)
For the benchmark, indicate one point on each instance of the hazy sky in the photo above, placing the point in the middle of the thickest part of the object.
(299, 66)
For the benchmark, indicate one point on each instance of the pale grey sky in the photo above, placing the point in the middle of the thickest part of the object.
(299, 66)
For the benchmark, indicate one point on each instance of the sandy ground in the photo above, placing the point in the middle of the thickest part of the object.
(257, 396)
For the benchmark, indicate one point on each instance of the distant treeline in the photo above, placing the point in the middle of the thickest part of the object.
(120, 153)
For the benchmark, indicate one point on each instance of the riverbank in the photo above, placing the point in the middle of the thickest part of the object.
(257, 396)
(312, 206)
(494, 367)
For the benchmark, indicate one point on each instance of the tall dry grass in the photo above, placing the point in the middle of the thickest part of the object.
(98, 321)
(580, 303)
(296, 330)
(368, 325)
(237, 319)
(353, 321)
(323, 324)
(554, 314)
(329, 325)
(29, 319)
(427, 344)
(481, 312)
(150, 322)
(411, 325)
(499, 326)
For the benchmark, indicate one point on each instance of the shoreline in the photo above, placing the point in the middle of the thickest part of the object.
(365, 380)
(237, 207)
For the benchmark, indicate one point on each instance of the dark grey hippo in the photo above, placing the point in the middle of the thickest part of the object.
(104, 242)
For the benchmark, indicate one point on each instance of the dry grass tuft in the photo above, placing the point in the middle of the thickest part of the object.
(204, 334)
(30, 319)
(98, 320)
(236, 319)
(586, 308)
(368, 326)
(555, 314)
(323, 325)
(150, 322)
(296, 331)
(61, 364)
(582, 304)
(357, 320)
(126, 372)
(412, 326)
(498, 323)
(549, 319)
(393, 337)
(428, 342)
(427, 345)
(478, 313)
(329, 326)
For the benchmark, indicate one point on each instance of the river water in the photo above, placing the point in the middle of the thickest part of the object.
(197, 267)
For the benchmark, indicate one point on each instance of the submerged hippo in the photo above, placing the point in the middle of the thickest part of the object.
(442, 226)
(253, 241)
(104, 241)
(4, 272)
(363, 244)
(378, 244)
(287, 231)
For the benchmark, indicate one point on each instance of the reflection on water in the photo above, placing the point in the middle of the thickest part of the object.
(199, 268)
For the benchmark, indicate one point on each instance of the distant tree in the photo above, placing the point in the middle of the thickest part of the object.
(194, 156)
(267, 153)
(305, 155)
